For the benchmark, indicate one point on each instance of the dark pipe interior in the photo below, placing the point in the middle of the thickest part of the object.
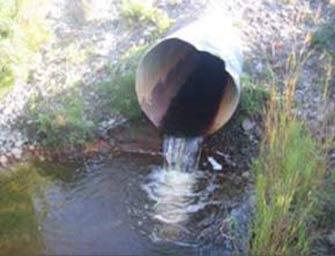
(192, 111)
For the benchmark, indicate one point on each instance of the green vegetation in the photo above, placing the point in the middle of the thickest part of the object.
(324, 36)
(22, 32)
(64, 123)
(324, 218)
(290, 171)
(253, 97)
(122, 96)
(19, 232)
(291, 178)
(144, 13)
(119, 93)
(75, 54)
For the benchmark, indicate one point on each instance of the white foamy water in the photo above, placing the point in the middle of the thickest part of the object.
(181, 154)
(172, 192)
(172, 187)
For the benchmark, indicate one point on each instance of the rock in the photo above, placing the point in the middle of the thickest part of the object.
(259, 67)
(332, 155)
(248, 124)
(17, 153)
(3, 161)
(246, 175)
(41, 158)
(142, 41)
(18, 143)
(331, 238)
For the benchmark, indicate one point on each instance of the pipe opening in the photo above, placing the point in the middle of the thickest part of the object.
(183, 90)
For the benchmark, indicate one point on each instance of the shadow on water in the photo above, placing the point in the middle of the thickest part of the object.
(106, 209)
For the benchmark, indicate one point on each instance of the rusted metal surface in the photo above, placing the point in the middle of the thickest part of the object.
(188, 83)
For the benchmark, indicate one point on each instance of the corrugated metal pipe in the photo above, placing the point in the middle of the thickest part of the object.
(188, 83)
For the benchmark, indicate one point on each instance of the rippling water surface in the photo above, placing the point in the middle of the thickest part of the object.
(132, 204)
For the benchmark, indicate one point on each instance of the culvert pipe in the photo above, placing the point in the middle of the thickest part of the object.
(188, 84)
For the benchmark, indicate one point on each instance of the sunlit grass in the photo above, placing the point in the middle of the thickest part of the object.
(144, 12)
(290, 171)
(290, 176)
(23, 30)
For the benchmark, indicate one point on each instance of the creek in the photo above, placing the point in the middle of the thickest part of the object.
(132, 204)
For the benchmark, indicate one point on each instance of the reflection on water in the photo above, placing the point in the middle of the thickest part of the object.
(19, 226)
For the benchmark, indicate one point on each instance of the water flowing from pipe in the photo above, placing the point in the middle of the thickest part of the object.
(181, 154)
(171, 187)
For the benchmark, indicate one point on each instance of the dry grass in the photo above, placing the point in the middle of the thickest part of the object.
(290, 174)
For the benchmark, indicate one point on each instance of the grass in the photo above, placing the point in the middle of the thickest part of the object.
(324, 36)
(75, 54)
(119, 93)
(144, 13)
(291, 173)
(23, 31)
(122, 96)
(19, 232)
(253, 97)
(64, 123)
(324, 218)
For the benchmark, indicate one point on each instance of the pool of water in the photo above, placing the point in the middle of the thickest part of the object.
(130, 205)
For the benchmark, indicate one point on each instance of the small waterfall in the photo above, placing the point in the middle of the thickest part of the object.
(172, 187)
(181, 154)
